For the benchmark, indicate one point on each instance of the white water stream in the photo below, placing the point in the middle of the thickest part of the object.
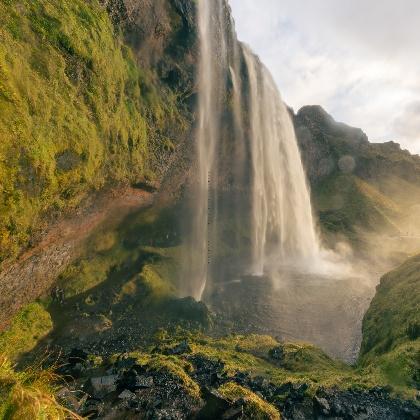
(281, 226)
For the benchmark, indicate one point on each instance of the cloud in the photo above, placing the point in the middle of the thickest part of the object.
(407, 125)
(359, 59)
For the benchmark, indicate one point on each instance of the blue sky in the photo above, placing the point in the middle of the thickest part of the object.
(359, 59)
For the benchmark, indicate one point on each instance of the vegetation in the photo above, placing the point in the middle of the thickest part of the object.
(134, 247)
(391, 327)
(76, 112)
(298, 364)
(28, 327)
(254, 407)
(347, 204)
(29, 394)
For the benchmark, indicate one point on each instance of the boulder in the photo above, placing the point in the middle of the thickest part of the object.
(103, 385)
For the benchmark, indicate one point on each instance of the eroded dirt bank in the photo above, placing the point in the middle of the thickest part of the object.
(34, 272)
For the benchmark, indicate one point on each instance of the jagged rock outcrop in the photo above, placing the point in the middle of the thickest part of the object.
(329, 147)
(359, 188)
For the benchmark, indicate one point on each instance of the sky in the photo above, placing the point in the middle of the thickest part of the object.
(359, 59)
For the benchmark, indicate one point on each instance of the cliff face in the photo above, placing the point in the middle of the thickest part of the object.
(94, 97)
(329, 147)
(90, 96)
(358, 186)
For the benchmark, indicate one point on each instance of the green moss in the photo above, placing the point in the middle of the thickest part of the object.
(393, 317)
(76, 112)
(391, 340)
(300, 357)
(346, 203)
(28, 327)
(254, 407)
(176, 367)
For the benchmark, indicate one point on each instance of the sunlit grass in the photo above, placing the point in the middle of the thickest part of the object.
(29, 394)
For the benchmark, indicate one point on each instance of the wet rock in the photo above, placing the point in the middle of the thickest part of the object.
(77, 356)
(216, 405)
(168, 414)
(375, 404)
(277, 353)
(179, 349)
(127, 395)
(103, 385)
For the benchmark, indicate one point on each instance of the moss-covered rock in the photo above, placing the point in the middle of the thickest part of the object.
(29, 326)
(254, 407)
(77, 111)
(391, 340)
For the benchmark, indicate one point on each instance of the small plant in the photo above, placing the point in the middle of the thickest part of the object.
(29, 394)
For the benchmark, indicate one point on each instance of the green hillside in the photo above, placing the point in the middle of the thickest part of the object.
(77, 112)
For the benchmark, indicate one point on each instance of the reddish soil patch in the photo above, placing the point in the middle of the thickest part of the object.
(34, 272)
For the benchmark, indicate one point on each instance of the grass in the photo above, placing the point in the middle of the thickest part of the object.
(77, 112)
(178, 369)
(350, 206)
(28, 327)
(254, 407)
(302, 363)
(391, 327)
(29, 394)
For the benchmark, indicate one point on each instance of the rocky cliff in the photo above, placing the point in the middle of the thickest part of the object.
(90, 96)
(358, 186)
(95, 97)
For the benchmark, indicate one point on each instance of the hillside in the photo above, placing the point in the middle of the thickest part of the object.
(82, 107)
(362, 191)
(391, 327)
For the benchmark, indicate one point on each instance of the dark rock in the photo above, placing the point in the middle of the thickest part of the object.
(103, 385)
(132, 381)
(127, 395)
(208, 372)
(126, 363)
(216, 405)
(168, 414)
(144, 382)
(179, 349)
(277, 353)
(235, 412)
(321, 406)
(77, 356)
(92, 408)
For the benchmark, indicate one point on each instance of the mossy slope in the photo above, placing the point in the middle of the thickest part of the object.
(391, 327)
(76, 111)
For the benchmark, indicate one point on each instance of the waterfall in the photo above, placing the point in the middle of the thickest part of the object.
(213, 58)
(283, 229)
(245, 142)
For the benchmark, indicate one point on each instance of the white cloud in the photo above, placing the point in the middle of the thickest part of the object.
(359, 59)
(407, 124)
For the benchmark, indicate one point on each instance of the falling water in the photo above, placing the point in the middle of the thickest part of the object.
(244, 135)
(282, 224)
(210, 83)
